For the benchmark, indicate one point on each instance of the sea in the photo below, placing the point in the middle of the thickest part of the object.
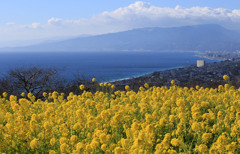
(104, 66)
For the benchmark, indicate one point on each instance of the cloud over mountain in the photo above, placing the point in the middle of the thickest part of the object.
(137, 15)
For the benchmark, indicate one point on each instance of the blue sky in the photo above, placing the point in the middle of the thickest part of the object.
(28, 11)
(23, 20)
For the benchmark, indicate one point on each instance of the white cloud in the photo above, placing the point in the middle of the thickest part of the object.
(142, 14)
(55, 21)
(137, 15)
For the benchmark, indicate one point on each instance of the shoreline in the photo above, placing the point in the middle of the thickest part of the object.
(213, 58)
(209, 57)
(166, 69)
(138, 76)
(210, 75)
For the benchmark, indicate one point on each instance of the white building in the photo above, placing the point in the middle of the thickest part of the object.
(200, 63)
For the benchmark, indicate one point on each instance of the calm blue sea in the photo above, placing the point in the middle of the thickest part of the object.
(103, 66)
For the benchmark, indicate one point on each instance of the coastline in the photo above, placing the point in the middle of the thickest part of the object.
(165, 69)
(210, 75)
(138, 76)
(201, 55)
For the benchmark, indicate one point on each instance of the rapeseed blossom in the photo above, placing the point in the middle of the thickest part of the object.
(225, 77)
(82, 87)
(151, 120)
(127, 87)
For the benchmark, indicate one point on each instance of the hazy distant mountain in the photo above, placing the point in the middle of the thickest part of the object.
(24, 43)
(188, 38)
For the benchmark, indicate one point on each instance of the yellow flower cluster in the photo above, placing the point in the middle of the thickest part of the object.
(152, 120)
(225, 77)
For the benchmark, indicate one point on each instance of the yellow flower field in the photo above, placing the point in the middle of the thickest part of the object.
(152, 120)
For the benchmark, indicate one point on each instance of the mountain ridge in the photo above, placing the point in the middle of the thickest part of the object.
(209, 37)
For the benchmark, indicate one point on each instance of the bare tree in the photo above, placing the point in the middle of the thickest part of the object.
(31, 80)
(36, 80)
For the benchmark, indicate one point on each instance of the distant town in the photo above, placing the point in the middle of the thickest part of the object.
(223, 55)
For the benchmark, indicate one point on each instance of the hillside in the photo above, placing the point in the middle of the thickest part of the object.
(151, 120)
(208, 76)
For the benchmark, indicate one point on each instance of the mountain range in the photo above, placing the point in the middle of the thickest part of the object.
(210, 37)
